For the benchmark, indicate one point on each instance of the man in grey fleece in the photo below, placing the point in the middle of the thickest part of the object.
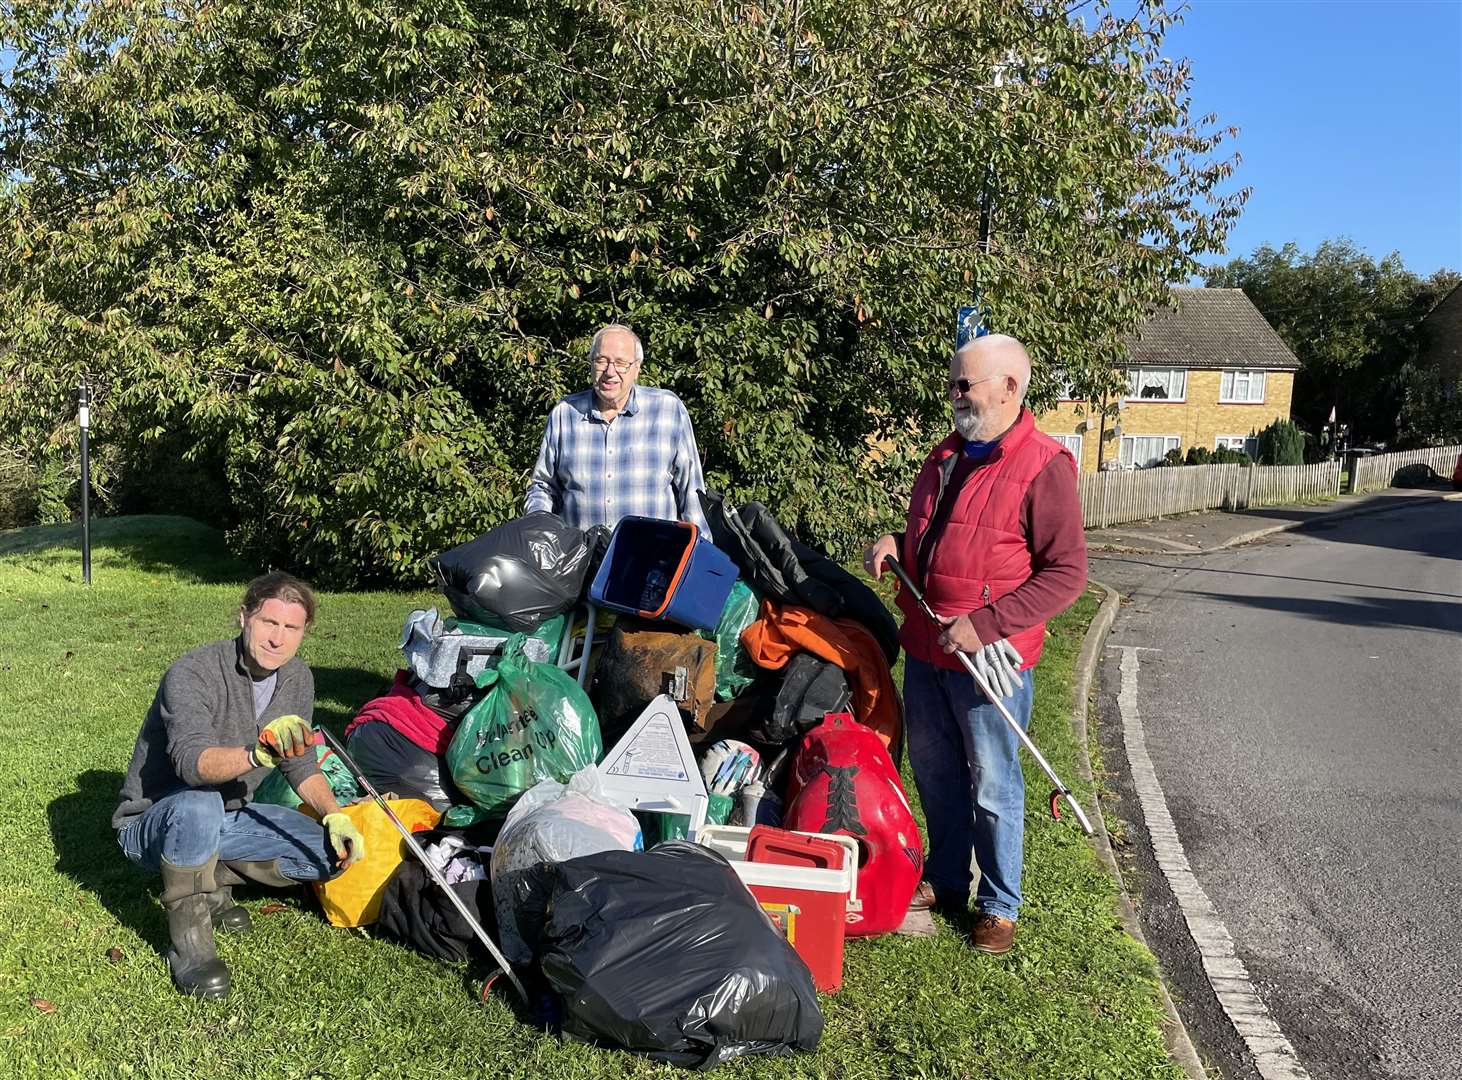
(224, 715)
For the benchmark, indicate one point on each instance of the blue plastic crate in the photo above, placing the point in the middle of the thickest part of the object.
(697, 575)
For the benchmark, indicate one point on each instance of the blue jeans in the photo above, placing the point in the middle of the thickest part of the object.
(189, 827)
(967, 769)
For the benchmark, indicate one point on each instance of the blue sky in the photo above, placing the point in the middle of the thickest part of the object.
(1350, 117)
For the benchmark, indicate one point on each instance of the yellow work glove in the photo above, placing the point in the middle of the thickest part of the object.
(345, 838)
(289, 736)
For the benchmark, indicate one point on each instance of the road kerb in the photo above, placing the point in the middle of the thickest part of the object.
(1175, 1033)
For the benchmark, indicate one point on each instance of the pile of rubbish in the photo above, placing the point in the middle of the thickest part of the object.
(657, 768)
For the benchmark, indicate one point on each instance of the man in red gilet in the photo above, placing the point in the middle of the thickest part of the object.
(994, 537)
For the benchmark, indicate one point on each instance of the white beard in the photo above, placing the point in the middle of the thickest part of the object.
(967, 423)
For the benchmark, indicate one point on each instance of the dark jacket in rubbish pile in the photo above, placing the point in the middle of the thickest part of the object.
(783, 569)
(415, 913)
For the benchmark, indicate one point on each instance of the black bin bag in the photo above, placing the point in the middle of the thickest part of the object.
(665, 953)
(518, 574)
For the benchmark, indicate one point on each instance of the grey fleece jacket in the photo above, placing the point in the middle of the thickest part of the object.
(206, 699)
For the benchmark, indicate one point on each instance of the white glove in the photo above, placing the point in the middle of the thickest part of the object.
(999, 664)
(728, 766)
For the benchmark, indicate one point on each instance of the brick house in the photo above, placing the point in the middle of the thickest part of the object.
(1441, 341)
(1208, 371)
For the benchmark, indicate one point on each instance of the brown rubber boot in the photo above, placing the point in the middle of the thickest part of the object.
(993, 935)
(186, 896)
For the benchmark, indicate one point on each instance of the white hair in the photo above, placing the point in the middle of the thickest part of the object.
(616, 328)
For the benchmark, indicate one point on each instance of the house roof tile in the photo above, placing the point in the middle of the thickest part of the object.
(1209, 328)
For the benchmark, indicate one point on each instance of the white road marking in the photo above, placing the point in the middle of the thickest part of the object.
(1274, 1057)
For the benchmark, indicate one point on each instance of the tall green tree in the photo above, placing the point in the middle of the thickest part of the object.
(1351, 321)
(356, 250)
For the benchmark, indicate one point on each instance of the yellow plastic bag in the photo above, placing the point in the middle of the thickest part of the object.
(354, 897)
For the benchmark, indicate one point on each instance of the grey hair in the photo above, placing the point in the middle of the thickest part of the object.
(616, 328)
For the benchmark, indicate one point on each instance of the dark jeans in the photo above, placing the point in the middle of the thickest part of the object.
(189, 827)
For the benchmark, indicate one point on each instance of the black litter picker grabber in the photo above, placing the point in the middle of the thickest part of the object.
(435, 874)
(1062, 791)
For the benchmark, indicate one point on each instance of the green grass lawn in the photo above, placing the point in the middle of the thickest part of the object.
(84, 991)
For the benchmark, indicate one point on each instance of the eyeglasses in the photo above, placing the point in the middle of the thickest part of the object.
(965, 385)
(600, 363)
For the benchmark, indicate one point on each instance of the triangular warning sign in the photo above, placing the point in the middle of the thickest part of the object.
(652, 766)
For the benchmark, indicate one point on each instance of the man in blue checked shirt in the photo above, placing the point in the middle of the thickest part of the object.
(617, 449)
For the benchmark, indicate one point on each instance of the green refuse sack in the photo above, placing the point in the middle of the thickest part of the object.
(534, 723)
(275, 789)
(734, 669)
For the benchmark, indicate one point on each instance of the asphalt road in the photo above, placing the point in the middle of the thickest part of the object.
(1304, 715)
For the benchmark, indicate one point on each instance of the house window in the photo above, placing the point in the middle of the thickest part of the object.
(1072, 443)
(1242, 386)
(1144, 451)
(1249, 444)
(1157, 384)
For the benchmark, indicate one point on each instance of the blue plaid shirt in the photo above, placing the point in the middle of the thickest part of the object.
(593, 472)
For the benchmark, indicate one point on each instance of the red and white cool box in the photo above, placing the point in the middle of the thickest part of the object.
(807, 883)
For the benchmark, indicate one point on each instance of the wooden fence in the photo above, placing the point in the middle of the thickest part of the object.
(1276, 485)
(1111, 498)
(1379, 470)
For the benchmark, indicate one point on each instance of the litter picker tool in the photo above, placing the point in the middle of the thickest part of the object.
(1062, 791)
(435, 874)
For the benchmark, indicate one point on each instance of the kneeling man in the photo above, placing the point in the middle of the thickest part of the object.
(224, 715)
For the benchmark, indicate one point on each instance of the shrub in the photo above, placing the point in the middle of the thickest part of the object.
(1282, 443)
(17, 493)
(1225, 455)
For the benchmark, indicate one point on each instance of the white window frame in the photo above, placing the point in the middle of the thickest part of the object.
(1249, 444)
(1137, 376)
(1074, 443)
(1064, 389)
(1170, 442)
(1228, 386)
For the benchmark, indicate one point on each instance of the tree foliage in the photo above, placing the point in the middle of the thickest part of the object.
(1431, 410)
(1351, 321)
(355, 251)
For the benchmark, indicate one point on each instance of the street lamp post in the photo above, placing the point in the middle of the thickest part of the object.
(84, 417)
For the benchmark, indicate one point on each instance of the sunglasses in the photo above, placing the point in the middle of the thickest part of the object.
(965, 385)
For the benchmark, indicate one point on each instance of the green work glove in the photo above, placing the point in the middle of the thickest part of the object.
(345, 838)
(289, 736)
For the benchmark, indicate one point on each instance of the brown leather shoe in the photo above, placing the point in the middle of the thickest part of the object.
(924, 899)
(993, 935)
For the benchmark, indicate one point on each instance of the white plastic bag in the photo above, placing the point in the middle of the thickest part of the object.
(551, 823)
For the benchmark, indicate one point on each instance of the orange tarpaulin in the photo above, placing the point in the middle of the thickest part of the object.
(785, 630)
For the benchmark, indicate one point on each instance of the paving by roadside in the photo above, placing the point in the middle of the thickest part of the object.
(1217, 529)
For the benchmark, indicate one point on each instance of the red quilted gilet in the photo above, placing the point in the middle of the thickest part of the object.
(982, 553)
